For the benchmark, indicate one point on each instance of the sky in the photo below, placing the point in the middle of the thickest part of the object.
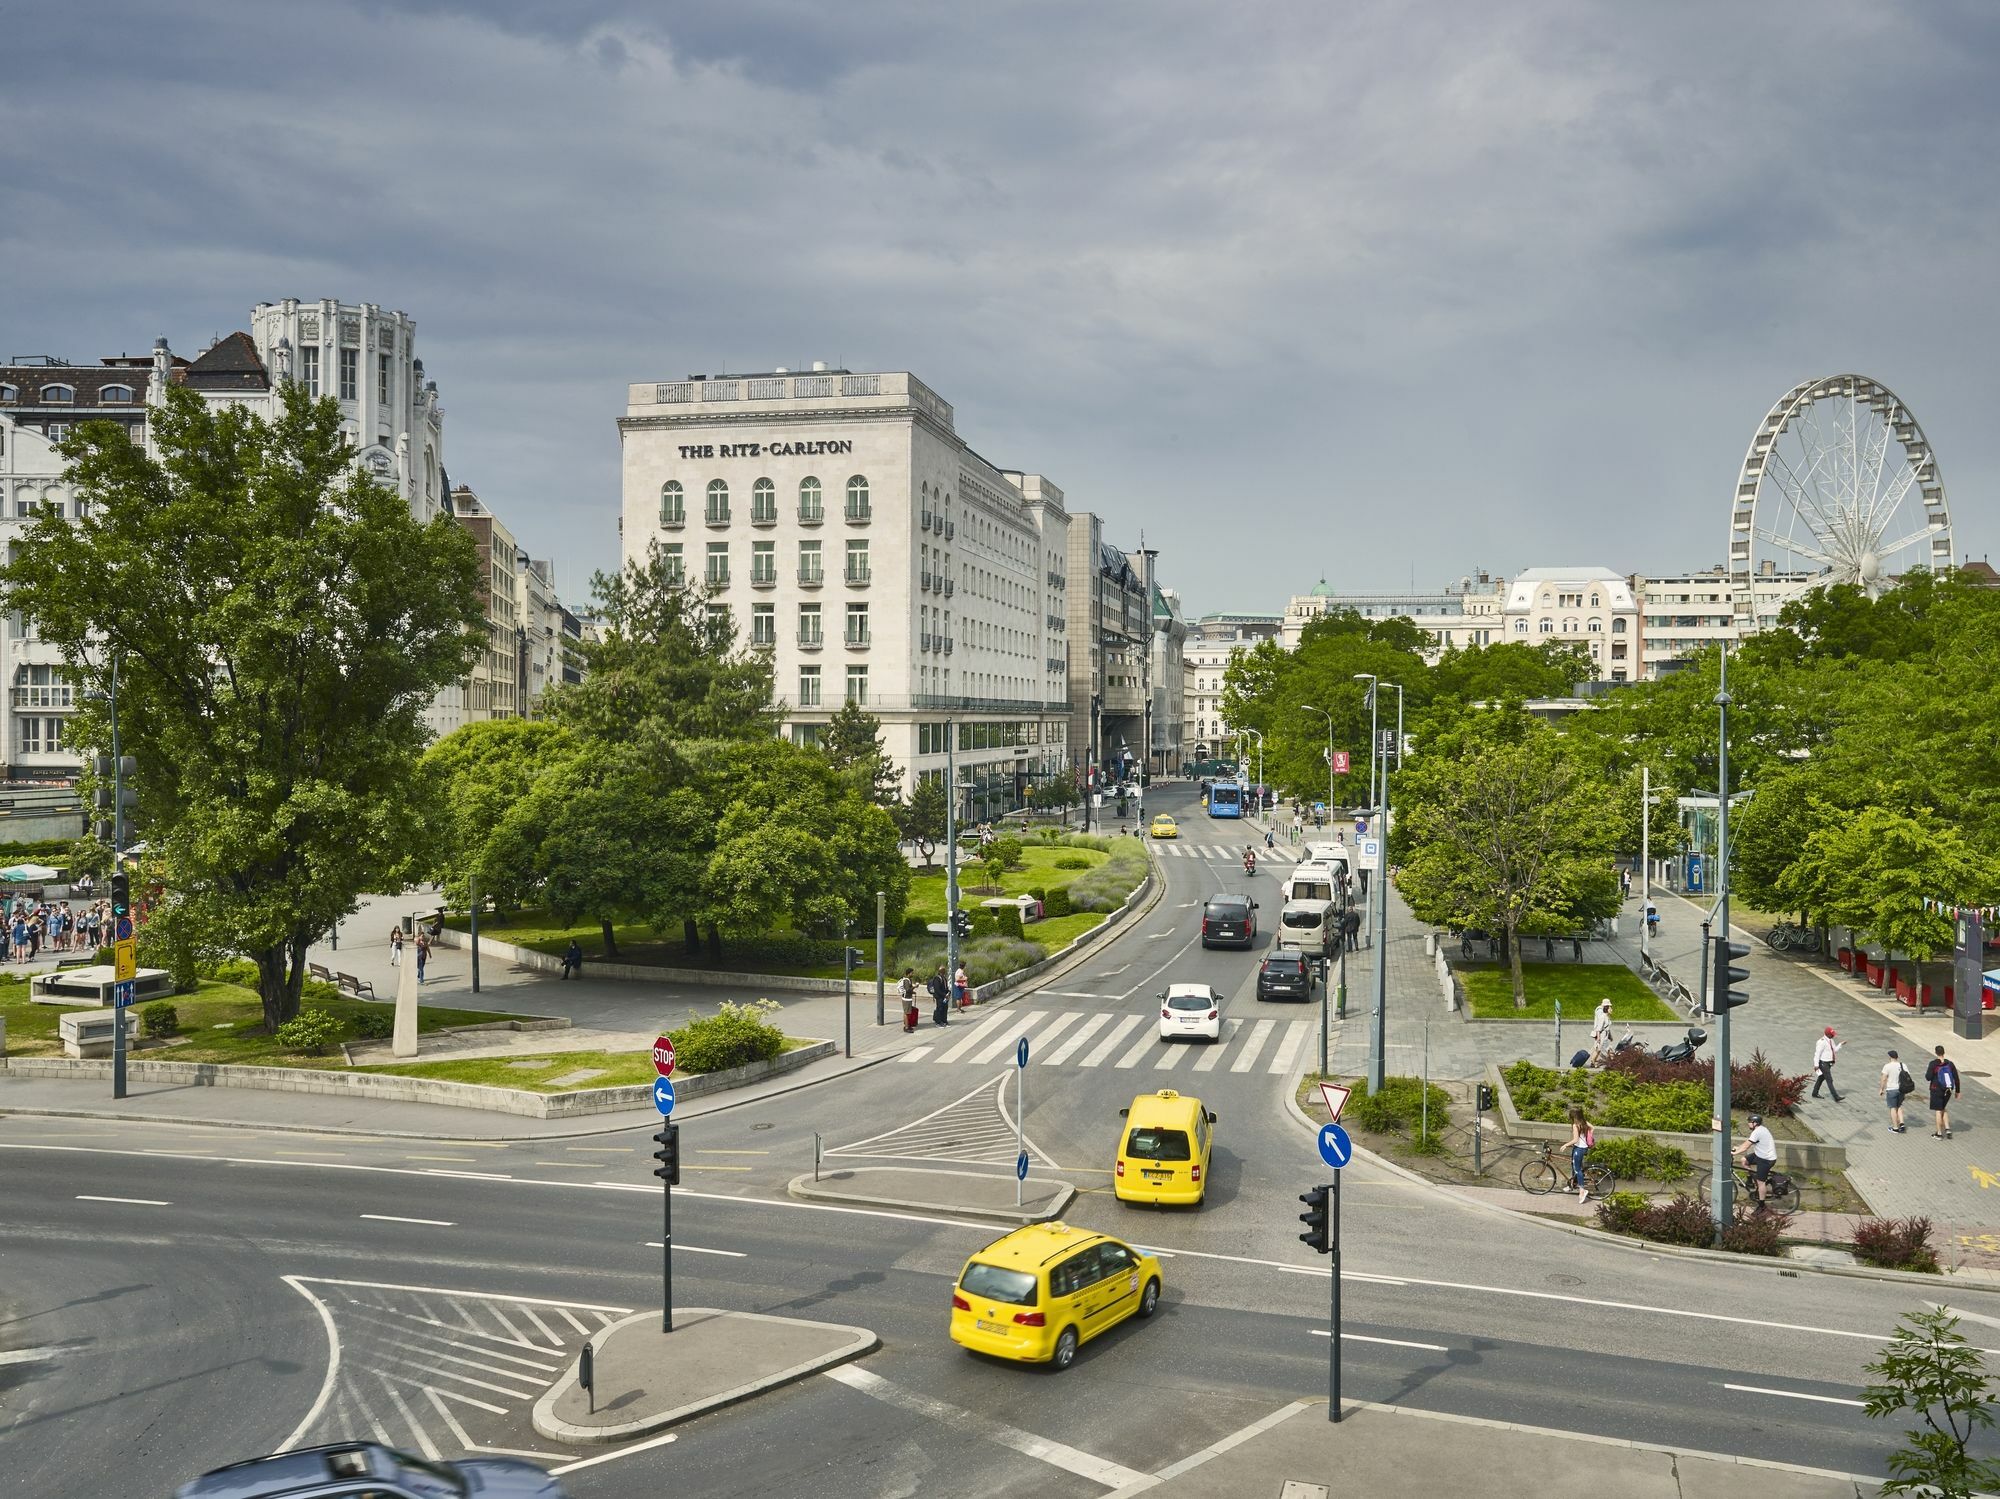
(1372, 291)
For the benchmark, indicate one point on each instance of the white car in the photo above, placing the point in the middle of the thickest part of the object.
(1191, 1012)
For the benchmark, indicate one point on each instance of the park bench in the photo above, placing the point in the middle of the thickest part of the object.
(319, 971)
(349, 984)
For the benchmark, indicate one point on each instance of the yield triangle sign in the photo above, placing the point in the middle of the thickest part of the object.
(1336, 1100)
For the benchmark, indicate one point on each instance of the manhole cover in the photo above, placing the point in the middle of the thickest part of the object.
(1565, 1280)
(760, 1126)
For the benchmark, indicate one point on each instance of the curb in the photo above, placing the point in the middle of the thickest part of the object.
(805, 1189)
(861, 1341)
(1968, 1279)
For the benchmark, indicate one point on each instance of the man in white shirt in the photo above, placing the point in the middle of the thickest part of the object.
(1600, 1029)
(1760, 1154)
(1825, 1050)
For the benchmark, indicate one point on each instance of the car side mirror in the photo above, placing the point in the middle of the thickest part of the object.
(1123, 1112)
(1163, 996)
(1253, 905)
(1211, 1116)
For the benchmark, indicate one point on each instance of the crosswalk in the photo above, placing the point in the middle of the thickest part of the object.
(1080, 1038)
(1231, 853)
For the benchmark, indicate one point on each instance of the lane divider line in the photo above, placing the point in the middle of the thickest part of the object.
(1356, 1337)
(137, 1202)
(733, 1254)
(1757, 1389)
(392, 1218)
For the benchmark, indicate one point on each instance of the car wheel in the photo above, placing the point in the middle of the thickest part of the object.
(1065, 1353)
(1149, 1299)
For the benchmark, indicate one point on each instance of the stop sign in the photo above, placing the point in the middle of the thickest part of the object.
(663, 1056)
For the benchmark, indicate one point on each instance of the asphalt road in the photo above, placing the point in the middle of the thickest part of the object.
(194, 1322)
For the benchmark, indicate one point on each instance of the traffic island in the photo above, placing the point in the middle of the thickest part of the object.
(645, 1380)
(968, 1194)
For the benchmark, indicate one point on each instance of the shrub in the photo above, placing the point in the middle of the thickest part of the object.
(1106, 886)
(317, 991)
(1641, 1158)
(1755, 1233)
(1896, 1244)
(1680, 1221)
(1759, 1087)
(1645, 1069)
(1073, 861)
(1087, 840)
(1620, 1211)
(734, 1036)
(1040, 893)
(1056, 903)
(309, 1033)
(159, 1018)
(232, 971)
(1008, 920)
(1399, 1106)
(375, 1024)
(1613, 1097)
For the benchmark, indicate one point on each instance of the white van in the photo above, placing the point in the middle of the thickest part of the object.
(1310, 925)
(1312, 882)
(1328, 853)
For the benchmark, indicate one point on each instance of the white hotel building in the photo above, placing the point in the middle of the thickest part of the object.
(851, 533)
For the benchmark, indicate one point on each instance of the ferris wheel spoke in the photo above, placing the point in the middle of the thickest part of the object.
(1891, 501)
(1888, 549)
(1797, 548)
(1803, 500)
(1878, 448)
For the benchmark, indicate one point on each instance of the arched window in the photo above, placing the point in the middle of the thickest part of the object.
(1597, 627)
(114, 395)
(1617, 627)
(58, 393)
(718, 502)
(1520, 627)
(1569, 627)
(9, 393)
(1548, 627)
(673, 505)
(857, 498)
(809, 504)
(1593, 601)
(763, 502)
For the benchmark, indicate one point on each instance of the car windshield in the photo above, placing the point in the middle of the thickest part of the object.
(1146, 1144)
(998, 1284)
(1188, 1001)
(1302, 918)
(1227, 908)
(1285, 965)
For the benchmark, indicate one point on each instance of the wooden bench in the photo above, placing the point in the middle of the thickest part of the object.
(319, 971)
(349, 984)
(62, 963)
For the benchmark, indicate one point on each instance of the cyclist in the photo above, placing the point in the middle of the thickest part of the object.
(1760, 1154)
(1652, 919)
(1581, 1138)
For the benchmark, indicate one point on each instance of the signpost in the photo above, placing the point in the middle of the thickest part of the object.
(668, 1171)
(1336, 1149)
(1020, 1113)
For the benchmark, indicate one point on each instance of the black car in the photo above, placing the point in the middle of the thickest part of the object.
(372, 1470)
(1285, 974)
(1229, 920)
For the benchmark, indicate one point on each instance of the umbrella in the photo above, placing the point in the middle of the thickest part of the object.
(22, 872)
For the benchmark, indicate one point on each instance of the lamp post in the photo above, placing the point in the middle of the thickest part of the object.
(1260, 769)
(1308, 707)
(1373, 887)
(1378, 1017)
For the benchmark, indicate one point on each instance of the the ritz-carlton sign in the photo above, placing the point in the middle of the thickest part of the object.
(766, 449)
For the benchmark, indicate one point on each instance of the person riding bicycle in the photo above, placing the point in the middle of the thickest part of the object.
(1652, 919)
(1760, 1154)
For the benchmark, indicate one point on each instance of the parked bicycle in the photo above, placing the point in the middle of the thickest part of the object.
(1782, 1186)
(1789, 936)
(1547, 1172)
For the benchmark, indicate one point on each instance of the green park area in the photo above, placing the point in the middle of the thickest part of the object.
(1579, 987)
(547, 1072)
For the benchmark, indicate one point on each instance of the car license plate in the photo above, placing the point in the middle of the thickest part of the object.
(1157, 1176)
(985, 1326)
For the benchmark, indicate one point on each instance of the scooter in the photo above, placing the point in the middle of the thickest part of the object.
(1683, 1051)
(1249, 864)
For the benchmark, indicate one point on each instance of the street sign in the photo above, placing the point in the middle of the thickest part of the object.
(1370, 853)
(125, 959)
(1021, 1053)
(124, 933)
(663, 1095)
(1361, 827)
(1021, 1166)
(1342, 762)
(125, 995)
(663, 1056)
(1334, 1146)
(1336, 1099)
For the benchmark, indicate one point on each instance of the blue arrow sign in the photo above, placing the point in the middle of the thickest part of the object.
(124, 995)
(1021, 1166)
(1021, 1053)
(663, 1094)
(1334, 1146)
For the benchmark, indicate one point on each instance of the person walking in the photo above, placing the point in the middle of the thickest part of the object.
(423, 954)
(940, 992)
(1942, 1075)
(1826, 1050)
(396, 945)
(1760, 1153)
(1600, 1027)
(1897, 1085)
(961, 987)
(1581, 1138)
(572, 960)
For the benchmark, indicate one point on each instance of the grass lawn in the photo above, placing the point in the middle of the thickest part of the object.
(1489, 991)
(619, 1069)
(221, 1023)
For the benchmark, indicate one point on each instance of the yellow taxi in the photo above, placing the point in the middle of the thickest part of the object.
(1163, 1149)
(1165, 827)
(1039, 1293)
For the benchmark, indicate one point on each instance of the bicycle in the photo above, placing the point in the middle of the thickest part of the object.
(1787, 936)
(1545, 1174)
(1782, 1186)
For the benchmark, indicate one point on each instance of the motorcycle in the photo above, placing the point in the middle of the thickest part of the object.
(1684, 1050)
(1249, 863)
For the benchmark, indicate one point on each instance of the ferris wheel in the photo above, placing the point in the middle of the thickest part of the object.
(1839, 486)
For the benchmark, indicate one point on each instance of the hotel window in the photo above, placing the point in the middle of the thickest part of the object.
(809, 502)
(718, 619)
(763, 502)
(114, 395)
(1597, 627)
(857, 498)
(309, 369)
(718, 503)
(1548, 627)
(718, 562)
(763, 562)
(857, 562)
(56, 395)
(809, 625)
(673, 505)
(857, 684)
(382, 379)
(808, 686)
(857, 624)
(763, 624)
(809, 562)
(350, 375)
(676, 568)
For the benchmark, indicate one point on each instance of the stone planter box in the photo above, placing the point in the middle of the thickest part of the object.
(91, 985)
(1793, 1155)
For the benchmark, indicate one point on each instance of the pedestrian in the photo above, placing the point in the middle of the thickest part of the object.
(18, 949)
(572, 962)
(1897, 1085)
(1942, 1075)
(908, 989)
(961, 987)
(1624, 884)
(396, 945)
(1600, 1027)
(1652, 919)
(423, 954)
(1581, 1138)
(940, 992)
(1760, 1154)
(1825, 1050)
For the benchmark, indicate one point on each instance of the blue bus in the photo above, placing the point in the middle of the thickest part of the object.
(1225, 799)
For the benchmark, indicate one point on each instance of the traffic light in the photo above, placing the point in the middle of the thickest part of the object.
(121, 896)
(1314, 1218)
(668, 1155)
(1484, 1103)
(114, 794)
(1724, 991)
(961, 923)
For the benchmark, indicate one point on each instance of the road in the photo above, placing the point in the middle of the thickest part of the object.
(193, 1321)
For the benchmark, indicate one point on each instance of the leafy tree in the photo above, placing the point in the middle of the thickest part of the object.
(853, 743)
(1874, 869)
(1056, 794)
(279, 622)
(470, 780)
(1664, 836)
(1509, 671)
(666, 653)
(1000, 856)
(921, 819)
(1767, 834)
(1928, 1368)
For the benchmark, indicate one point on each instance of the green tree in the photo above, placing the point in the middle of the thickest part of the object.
(1769, 832)
(279, 623)
(1000, 856)
(921, 819)
(852, 743)
(1929, 1369)
(1874, 870)
(667, 653)
(1058, 793)
(470, 780)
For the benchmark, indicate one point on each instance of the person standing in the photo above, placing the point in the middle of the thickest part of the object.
(1760, 1154)
(940, 992)
(1826, 1050)
(1942, 1075)
(908, 990)
(1600, 1026)
(396, 945)
(1896, 1086)
(1581, 1138)
(423, 954)
(961, 987)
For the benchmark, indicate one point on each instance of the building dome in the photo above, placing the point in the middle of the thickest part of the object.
(1321, 590)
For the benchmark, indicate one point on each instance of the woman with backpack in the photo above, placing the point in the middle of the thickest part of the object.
(1942, 1075)
(1581, 1138)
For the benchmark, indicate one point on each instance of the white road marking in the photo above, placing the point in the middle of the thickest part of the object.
(1356, 1337)
(606, 1457)
(1288, 1053)
(137, 1202)
(734, 1254)
(1139, 1048)
(1216, 1449)
(26, 1356)
(478, 1176)
(1062, 1022)
(1246, 1057)
(1067, 994)
(392, 1218)
(980, 1032)
(1109, 1044)
(1042, 1449)
(915, 1054)
(1207, 1060)
(1076, 1042)
(1172, 1053)
(1757, 1389)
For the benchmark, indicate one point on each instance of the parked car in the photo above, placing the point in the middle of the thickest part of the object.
(1230, 920)
(372, 1470)
(1285, 974)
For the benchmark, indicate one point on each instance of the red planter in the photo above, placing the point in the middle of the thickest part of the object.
(1846, 958)
(1875, 972)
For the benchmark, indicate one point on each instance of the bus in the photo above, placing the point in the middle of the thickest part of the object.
(1225, 799)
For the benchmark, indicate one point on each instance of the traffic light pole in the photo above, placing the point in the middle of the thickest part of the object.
(1333, 1353)
(951, 848)
(1721, 1179)
(669, 1172)
(117, 870)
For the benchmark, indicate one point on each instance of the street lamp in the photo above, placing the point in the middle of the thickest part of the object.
(1377, 1020)
(1260, 768)
(1308, 707)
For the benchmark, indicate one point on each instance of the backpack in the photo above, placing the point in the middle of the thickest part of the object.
(1905, 1083)
(1947, 1077)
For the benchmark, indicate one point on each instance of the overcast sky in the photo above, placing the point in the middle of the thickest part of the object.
(1369, 290)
